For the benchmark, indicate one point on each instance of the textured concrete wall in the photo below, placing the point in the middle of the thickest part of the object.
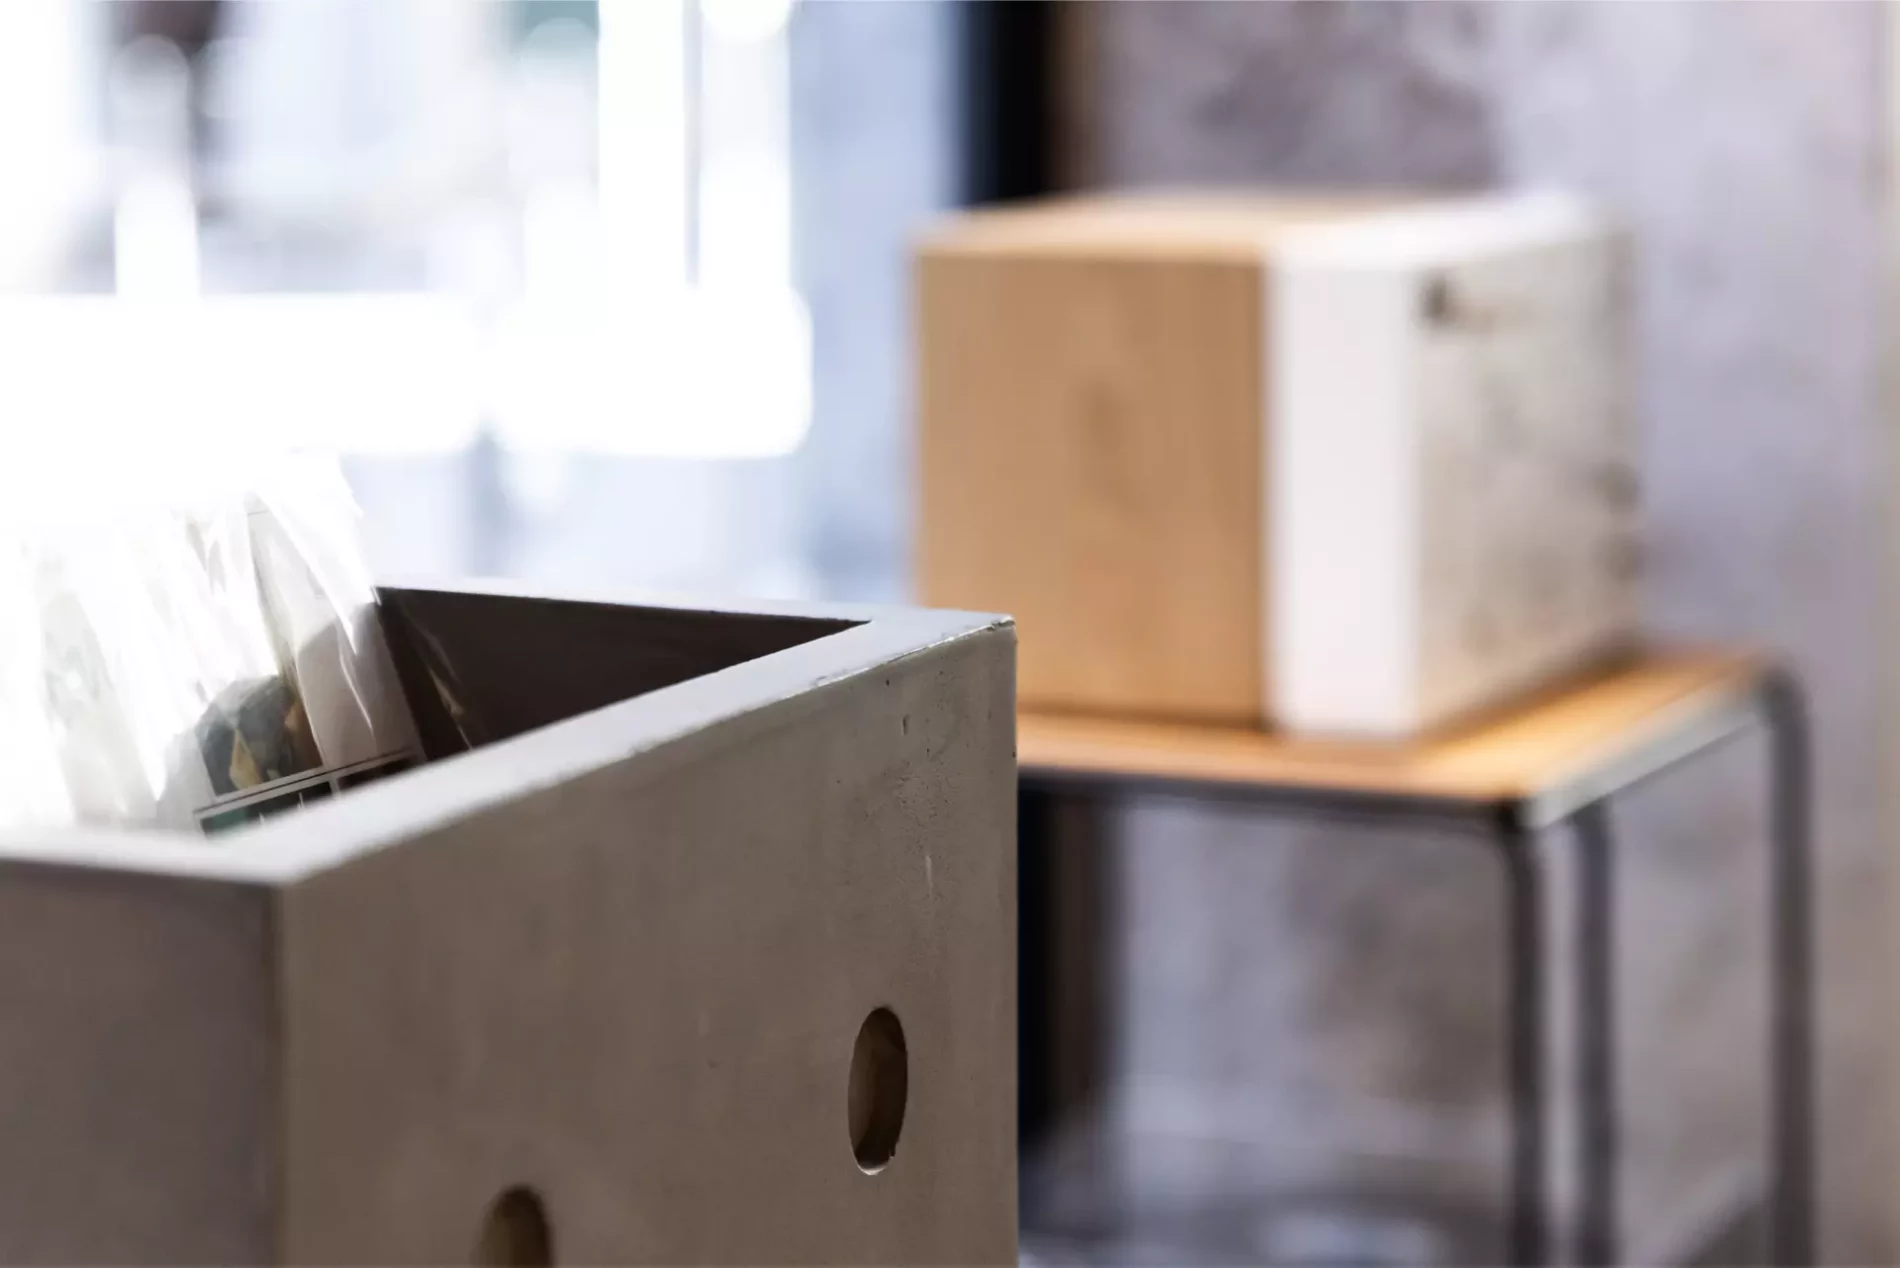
(1314, 999)
(1745, 143)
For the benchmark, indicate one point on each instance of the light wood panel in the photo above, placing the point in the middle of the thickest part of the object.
(1092, 380)
(1091, 464)
(1520, 752)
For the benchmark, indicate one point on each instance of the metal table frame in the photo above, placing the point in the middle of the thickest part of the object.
(1580, 803)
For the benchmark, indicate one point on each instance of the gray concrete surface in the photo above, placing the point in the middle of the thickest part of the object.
(620, 960)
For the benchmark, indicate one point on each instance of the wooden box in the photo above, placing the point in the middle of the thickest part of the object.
(1339, 466)
(705, 954)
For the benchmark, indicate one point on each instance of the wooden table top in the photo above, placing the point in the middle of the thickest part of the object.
(1563, 745)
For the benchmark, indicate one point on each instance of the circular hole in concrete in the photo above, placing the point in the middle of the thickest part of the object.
(880, 1084)
(516, 1233)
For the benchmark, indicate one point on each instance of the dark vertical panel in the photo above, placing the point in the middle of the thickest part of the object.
(1008, 99)
(1034, 832)
(1008, 91)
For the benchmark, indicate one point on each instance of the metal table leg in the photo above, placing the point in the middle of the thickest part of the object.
(1035, 824)
(1528, 1234)
(1597, 1222)
(1782, 710)
(1791, 1013)
(1791, 1010)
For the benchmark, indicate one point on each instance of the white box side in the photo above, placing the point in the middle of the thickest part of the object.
(1452, 461)
(1342, 507)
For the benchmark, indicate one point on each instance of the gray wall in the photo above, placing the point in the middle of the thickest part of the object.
(1304, 1004)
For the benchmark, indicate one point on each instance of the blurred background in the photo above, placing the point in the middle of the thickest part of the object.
(544, 271)
(616, 292)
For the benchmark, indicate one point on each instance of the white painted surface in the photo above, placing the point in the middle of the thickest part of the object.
(1451, 461)
(1342, 605)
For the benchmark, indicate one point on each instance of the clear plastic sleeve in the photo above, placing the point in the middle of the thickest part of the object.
(202, 655)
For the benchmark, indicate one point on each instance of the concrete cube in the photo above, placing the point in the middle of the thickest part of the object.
(703, 953)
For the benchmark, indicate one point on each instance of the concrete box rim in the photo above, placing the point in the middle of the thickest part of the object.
(714, 707)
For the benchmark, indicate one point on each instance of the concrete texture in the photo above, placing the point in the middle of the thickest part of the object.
(1319, 1002)
(619, 962)
(138, 1098)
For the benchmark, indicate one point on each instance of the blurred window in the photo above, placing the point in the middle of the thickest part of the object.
(399, 227)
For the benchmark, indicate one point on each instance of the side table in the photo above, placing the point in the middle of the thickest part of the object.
(1554, 760)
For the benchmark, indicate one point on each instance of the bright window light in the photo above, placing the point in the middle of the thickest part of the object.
(605, 240)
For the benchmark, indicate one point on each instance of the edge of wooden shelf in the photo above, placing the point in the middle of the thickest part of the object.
(1561, 746)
